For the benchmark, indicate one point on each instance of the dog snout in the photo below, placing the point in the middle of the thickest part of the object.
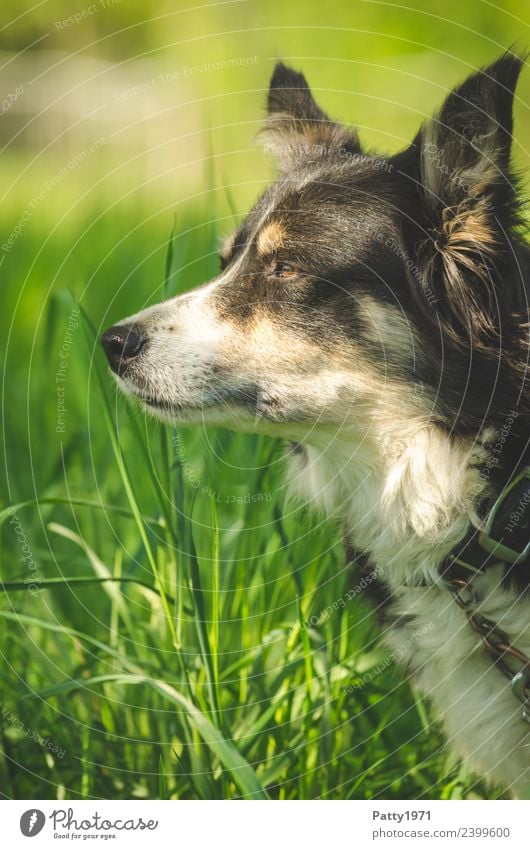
(122, 344)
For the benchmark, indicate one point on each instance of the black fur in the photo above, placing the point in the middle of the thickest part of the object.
(434, 230)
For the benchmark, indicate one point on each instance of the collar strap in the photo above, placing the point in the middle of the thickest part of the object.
(512, 662)
(503, 537)
(503, 534)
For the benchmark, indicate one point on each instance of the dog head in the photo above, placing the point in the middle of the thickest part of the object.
(355, 281)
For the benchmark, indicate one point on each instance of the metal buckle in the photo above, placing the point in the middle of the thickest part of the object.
(493, 546)
(520, 683)
(462, 592)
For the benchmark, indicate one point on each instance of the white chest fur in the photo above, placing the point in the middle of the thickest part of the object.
(403, 496)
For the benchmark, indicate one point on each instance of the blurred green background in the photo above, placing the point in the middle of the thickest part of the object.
(231, 662)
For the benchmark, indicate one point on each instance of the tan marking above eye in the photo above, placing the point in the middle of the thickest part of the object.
(228, 244)
(271, 238)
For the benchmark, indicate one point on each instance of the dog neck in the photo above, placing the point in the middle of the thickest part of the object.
(402, 490)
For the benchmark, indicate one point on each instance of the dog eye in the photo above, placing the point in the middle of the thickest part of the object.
(283, 270)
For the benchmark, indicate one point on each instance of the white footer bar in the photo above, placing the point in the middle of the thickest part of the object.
(264, 825)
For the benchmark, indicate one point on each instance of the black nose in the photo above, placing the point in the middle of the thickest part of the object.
(122, 344)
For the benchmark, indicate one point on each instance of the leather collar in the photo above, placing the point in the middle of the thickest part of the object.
(502, 535)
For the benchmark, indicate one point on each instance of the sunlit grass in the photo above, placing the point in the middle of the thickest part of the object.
(188, 638)
(191, 635)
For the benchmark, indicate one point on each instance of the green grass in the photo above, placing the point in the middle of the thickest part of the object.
(187, 640)
(190, 637)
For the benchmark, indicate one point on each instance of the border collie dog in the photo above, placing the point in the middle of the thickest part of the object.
(373, 312)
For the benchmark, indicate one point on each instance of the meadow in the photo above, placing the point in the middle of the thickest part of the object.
(232, 653)
(171, 625)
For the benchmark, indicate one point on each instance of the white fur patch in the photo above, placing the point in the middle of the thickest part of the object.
(403, 490)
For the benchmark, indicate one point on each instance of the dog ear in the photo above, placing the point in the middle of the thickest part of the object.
(465, 149)
(461, 163)
(296, 127)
